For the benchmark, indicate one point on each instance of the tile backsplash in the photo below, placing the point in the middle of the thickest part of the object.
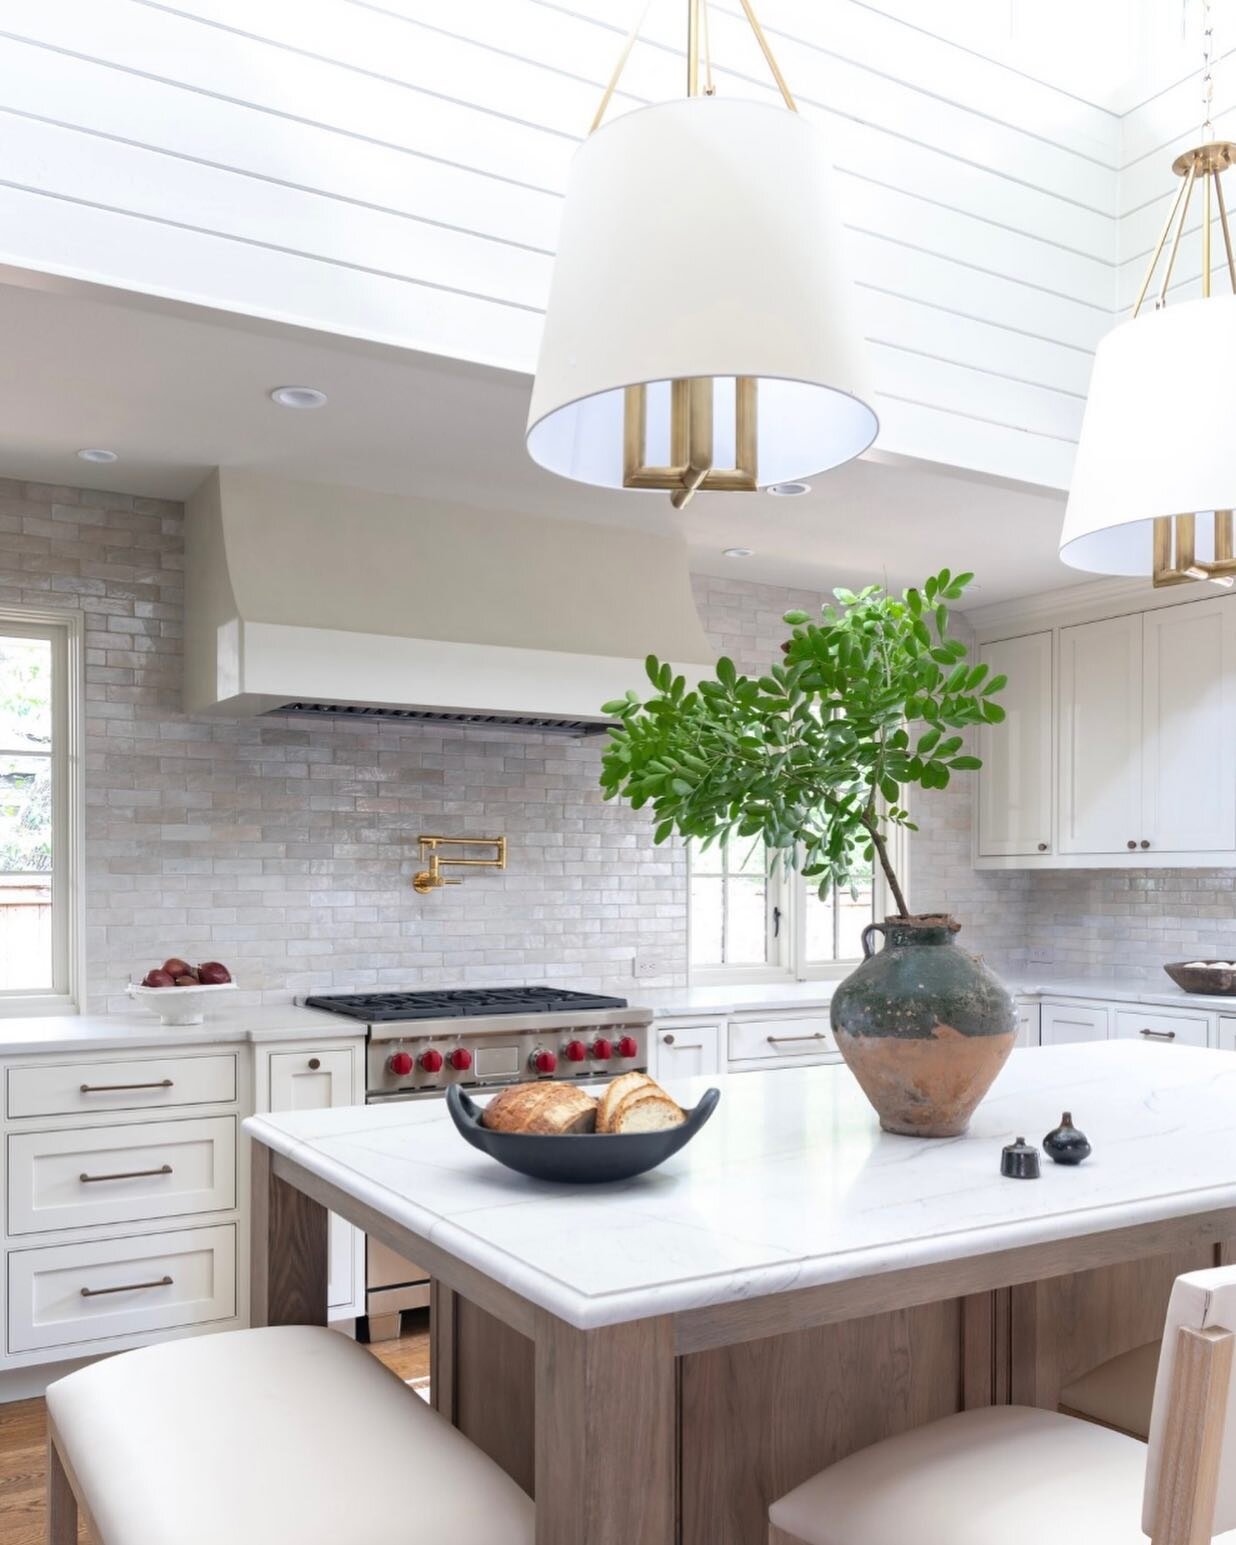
(287, 849)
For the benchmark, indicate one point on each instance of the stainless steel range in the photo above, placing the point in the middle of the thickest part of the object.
(482, 1038)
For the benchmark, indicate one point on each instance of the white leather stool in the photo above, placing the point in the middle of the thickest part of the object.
(292, 1435)
(1119, 1393)
(1012, 1475)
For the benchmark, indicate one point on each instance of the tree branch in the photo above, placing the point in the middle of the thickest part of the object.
(877, 841)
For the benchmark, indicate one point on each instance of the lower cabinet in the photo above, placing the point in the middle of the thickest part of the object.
(68, 1297)
(1028, 1025)
(317, 1078)
(782, 1040)
(1150, 1025)
(1060, 1023)
(686, 1049)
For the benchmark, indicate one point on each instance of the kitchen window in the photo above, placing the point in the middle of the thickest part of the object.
(750, 924)
(39, 812)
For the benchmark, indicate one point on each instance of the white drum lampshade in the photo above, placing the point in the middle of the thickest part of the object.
(700, 241)
(1157, 439)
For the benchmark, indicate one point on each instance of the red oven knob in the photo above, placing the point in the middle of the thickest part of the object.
(575, 1051)
(460, 1059)
(400, 1064)
(628, 1046)
(602, 1050)
(431, 1061)
(542, 1061)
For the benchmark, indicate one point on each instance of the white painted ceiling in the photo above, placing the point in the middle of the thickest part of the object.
(176, 394)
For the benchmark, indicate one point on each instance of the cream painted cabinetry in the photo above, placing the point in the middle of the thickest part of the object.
(126, 1192)
(1141, 768)
(687, 1048)
(1015, 797)
(1100, 736)
(316, 1077)
(1061, 1023)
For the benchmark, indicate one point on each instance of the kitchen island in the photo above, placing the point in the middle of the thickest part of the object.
(658, 1360)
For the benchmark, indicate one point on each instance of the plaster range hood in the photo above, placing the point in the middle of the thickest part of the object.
(319, 600)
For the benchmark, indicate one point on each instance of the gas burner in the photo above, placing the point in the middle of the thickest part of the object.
(378, 1008)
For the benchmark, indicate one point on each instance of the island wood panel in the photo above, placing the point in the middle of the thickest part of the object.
(1064, 1326)
(761, 1417)
(493, 1401)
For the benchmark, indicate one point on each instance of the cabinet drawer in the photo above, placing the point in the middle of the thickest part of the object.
(119, 1174)
(752, 1039)
(71, 1295)
(310, 1080)
(1180, 1029)
(1027, 1024)
(145, 1083)
(1061, 1023)
(686, 1051)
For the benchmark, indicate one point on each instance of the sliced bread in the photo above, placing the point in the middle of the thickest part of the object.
(647, 1109)
(615, 1092)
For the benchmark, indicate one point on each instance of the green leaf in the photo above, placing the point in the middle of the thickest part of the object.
(795, 619)
(726, 673)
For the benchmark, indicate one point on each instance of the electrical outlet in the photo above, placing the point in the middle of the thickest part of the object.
(648, 965)
(1041, 957)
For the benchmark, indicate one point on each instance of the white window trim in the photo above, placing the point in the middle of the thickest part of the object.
(67, 630)
(788, 891)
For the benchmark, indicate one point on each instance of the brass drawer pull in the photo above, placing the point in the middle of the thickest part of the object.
(774, 1040)
(162, 1083)
(1158, 1035)
(129, 1174)
(668, 1040)
(126, 1287)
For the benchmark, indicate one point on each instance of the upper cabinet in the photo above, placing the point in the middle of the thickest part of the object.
(1142, 768)
(1100, 712)
(1015, 800)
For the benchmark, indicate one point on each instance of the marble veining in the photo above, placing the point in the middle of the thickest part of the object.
(792, 1183)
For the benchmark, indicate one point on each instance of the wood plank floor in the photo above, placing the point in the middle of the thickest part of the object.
(23, 1440)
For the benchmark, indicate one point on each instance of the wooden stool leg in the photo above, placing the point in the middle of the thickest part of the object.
(61, 1503)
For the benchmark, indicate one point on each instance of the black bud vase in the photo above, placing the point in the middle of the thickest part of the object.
(1066, 1145)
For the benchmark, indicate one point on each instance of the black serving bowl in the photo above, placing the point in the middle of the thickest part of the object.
(585, 1158)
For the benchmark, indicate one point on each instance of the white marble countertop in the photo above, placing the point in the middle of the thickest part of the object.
(793, 1184)
(685, 1002)
(111, 1032)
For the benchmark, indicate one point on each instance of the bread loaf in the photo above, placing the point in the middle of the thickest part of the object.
(615, 1092)
(646, 1109)
(550, 1109)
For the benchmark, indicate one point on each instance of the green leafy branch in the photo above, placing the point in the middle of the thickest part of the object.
(813, 757)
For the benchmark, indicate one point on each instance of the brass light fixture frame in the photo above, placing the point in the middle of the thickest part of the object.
(432, 878)
(1175, 560)
(691, 401)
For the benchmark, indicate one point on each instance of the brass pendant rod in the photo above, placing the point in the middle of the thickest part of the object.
(1227, 235)
(769, 58)
(1208, 181)
(637, 26)
(693, 48)
(1162, 242)
(1184, 215)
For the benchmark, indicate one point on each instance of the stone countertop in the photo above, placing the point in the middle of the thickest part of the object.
(719, 1001)
(792, 1183)
(120, 1032)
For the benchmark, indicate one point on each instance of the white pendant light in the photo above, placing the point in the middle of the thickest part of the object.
(702, 325)
(1155, 478)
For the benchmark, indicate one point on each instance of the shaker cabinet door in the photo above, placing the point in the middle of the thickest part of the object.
(1189, 728)
(1015, 783)
(316, 1080)
(1100, 734)
(686, 1050)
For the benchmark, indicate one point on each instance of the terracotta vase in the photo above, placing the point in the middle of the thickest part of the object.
(923, 1026)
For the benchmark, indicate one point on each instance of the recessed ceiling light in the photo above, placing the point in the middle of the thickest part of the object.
(92, 453)
(298, 397)
(738, 552)
(789, 490)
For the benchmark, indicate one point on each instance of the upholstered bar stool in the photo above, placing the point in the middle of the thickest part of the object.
(286, 1436)
(1118, 1393)
(1012, 1475)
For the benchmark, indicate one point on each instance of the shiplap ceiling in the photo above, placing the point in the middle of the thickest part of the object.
(176, 395)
